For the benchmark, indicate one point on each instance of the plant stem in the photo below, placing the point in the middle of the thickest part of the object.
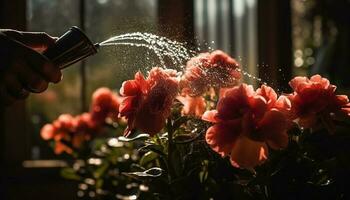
(328, 124)
(170, 151)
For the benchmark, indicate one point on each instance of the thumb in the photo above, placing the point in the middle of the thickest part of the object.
(35, 40)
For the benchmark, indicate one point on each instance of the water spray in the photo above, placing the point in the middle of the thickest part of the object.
(74, 46)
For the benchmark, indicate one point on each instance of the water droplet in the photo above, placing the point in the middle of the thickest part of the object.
(161, 46)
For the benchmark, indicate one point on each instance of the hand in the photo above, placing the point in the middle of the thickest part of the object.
(23, 69)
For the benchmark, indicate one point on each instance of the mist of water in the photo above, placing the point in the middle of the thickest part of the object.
(163, 48)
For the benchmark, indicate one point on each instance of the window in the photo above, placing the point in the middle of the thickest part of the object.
(103, 19)
(229, 25)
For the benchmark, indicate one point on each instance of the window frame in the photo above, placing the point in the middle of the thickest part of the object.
(14, 119)
(15, 144)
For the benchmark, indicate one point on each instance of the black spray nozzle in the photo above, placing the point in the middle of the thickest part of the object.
(70, 48)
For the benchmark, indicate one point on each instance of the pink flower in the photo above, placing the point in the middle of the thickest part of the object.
(147, 102)
(246, 122)
(70, 132)
(105, 104)
(47, 132)
(216, 69)
(60, 131)
(194, 106)
(314, 99)
(85, 128)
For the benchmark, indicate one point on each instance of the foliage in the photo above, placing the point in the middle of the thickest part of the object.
(291, 146)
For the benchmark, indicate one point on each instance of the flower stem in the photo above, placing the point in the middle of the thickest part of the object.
(170, 151)
(328, 124)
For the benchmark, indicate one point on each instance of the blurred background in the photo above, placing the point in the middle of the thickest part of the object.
(272, 39)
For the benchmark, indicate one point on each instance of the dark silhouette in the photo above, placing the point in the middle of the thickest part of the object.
(23, 69)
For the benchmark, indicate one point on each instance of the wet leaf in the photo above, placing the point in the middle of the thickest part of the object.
(203, 175)
(148, 157)
(150, 173)
(142, 136)
(153, 147)
(129, 197)
(178, 122)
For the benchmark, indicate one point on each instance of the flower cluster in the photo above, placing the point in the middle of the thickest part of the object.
(314, 100)
(245, 122)
(105, 104)
(70, 132)
(215, 69)
(244, 126)
(147, 101)
(172, 130)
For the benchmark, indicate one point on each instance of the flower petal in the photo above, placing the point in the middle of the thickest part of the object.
(130, 88)
(296, 81)
(210, 116)
(128, 105)
(273, 128)
(141, 81)
(342, 99)
(194, 106)
(47, 132)
(221, 138)
(318, 79)
(268, 93)
(247, 153)
(258, 105)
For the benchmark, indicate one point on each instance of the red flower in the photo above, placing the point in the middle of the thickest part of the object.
(85, 128)
(194, 106)
(216, 69)
(314, 99)
(245, 123)
(147, 102)
(105, 104)
(47, 132)
(70, 132)
(64, 122)
(60, 131)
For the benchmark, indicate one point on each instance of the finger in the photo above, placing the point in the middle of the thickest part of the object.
(14, 87)
(29, 78)
(37, 40)
(43, 66)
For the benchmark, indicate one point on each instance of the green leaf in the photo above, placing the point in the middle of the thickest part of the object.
(178, 122)
(150, 173)
(69, 173)
(148, 157)
(153, 147)
(100, 171)
(177, 161)
(182, 137)
(142, 136)
(99, 183)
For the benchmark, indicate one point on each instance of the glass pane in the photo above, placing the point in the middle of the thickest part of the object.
(321, 39)
(229, 25)
(53, 17)
(106, 18)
